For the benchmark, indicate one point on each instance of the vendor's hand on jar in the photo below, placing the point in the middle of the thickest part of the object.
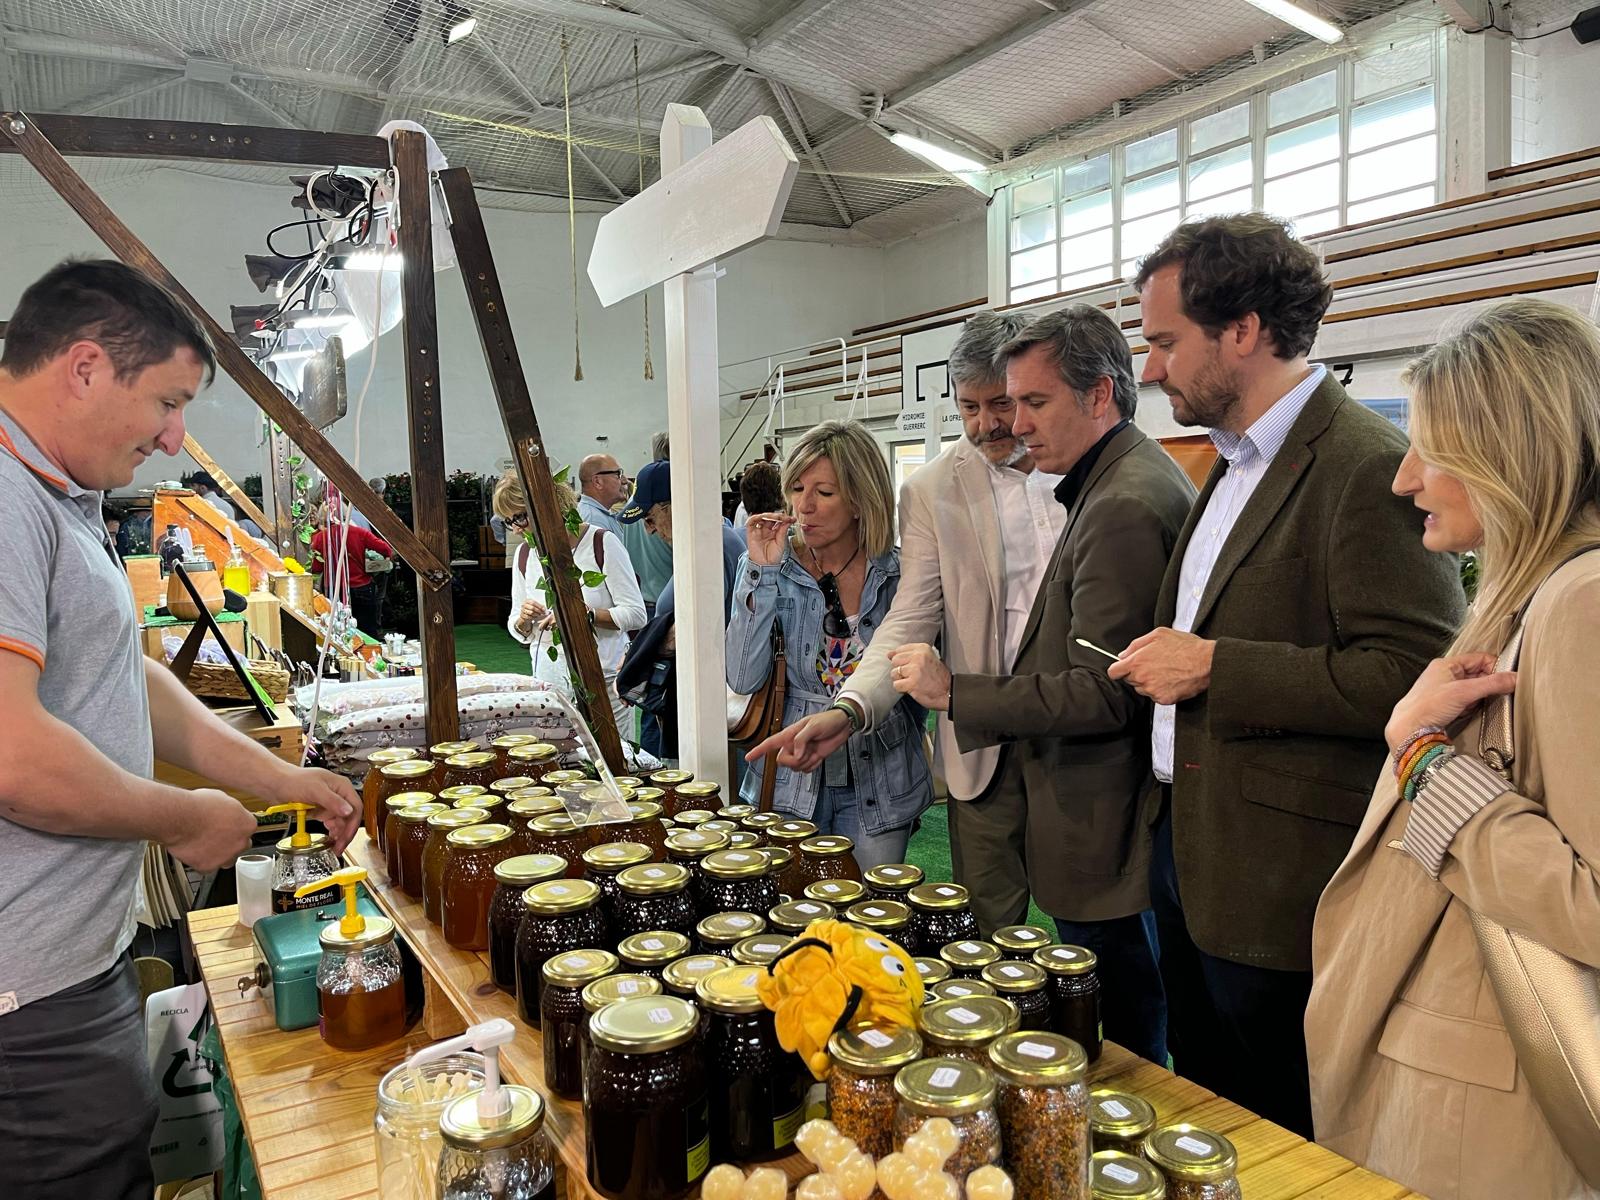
(211, 829)
(1447, 690)
(333, 801)
(916, 671)
(766, 537)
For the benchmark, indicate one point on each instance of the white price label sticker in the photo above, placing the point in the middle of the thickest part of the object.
(873, 911)
(741, 922)
(660, 1016)
(1194, 1145)
(1119, 1172)
(944, 1077)
(875, 1037)
(736, 857)
(654, 873)
(1116, 1108)
(965, 1015)
(947, 891)
(652, 943)
(1012, 972)
(968, 947)
(1036, 1050)
(627, 987)
(1028, 935)
(558, 890)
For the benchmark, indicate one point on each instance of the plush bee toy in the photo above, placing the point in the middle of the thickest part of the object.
(836, 976)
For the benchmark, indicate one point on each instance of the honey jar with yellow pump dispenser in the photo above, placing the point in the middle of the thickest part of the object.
(300, 859)
(361, 991)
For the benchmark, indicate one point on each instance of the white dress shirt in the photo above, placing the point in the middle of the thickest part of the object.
(1030, 524)
(1248, 457)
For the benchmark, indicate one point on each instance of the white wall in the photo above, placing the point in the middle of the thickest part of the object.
(936, 269)
(201, 226)
(1559, 114)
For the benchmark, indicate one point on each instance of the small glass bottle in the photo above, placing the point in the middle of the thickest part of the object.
(760, 950)
(554, 833)
(829, 856)
(861, 1097)
(1025, 985)
(532, 759)
(682, 975)
(1120, 1120)
(468, 886)
(737, 881)
(433, 852)
(372, 794)
(513, 877)
(968, 958)
(562, 915)
(721, 932)
(891, 881)
(1019, 942)
(654, 896)
(841, 893)
(757, 1088)
(411, 837)
(391, 853)
(957, 989)
(440, 751)
(650, 952)
(1114, 1175)
(942, 913)
(701, 793)
(507, 1156)
(562, 1015)
(962, 1092)
(887, 918)
(1197, 1164)
(932, 970)
(964, 1028)
(669, 781)
(1043, 1105)
(792, 916)
(602, 864)
(645, 826)
(1074, 995)
(788, 834)
(647, 1127)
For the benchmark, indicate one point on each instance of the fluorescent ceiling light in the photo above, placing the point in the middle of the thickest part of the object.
(329, 318)
(366, 260)
(461, 29)
(945, 160)
(1305, 22)
(279, 356)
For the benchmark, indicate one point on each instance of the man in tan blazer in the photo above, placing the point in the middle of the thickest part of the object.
(1076, 773)
(977, 528)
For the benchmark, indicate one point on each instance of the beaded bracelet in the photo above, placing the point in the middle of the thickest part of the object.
(1406, 746)
(1418, 748)
(1413, 777)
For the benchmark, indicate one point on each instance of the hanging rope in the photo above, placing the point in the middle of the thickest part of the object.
(572, 214)
(638, 133)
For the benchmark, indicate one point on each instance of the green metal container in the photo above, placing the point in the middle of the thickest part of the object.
(287, 954)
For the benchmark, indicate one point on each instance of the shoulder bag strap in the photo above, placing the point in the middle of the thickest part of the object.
(774, 722)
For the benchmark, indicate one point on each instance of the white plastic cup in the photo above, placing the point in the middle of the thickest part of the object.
(253, 877)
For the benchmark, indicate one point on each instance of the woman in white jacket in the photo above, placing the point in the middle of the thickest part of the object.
(614, 601)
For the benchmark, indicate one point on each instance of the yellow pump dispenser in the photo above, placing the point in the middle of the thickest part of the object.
(301, 858)
(352, 924)
(299, 839)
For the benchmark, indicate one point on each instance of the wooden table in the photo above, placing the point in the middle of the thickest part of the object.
(307, 1109)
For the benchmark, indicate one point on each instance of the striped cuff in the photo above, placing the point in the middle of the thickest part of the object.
(1452, 795)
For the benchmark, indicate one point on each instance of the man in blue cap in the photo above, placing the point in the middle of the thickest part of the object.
(652, 503)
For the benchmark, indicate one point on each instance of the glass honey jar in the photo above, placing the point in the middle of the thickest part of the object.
(1043, 1105)
(722, 825)
(558, 776)
(757, 1089)
(964, 1028)
(644, 825)
(390, 850)
(440, 751)
(602, 864)
(1197, 1164)
(300, 859)
(760, 950)
(743, 839)
(507, 1156)
(782, 858)
(560, 915)
(407, 775)
(411, 829)
(650, 952)
(503, 745)
(372, 812)
(361, 991)
(761, 822)
(942, 913)
(1115, 1175)
(471, 855)
(861, 1097)
(689, 848)
(1020, 941)
(721, 932)
(477, 767)
(1074, 995)
(691, 818)
(562, 1015)
(607, 991)
(932, 970)
(532, 759)
(510, 785)
(654, 896)
(554, 833)
(1025, 985)
(683, 974)
(957, 989)
(522, 808)
(968, 958)
(788, 834)
(891, 881)
(513, 877)
(1120, 1121)
(701, 793)
(792, 916)
(841, 893)
(887, 918)
(433, 851)
(960, 1091)
(669, 781)
(462, 795)
(737, 881)
(736, 812)
(829, 856)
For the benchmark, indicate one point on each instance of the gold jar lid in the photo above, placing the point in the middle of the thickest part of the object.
(458, 818)
(791, 831)
(408, 799)
(648, 795)
(1120, 1115)
(938, 897)
(736, 812)
(525, 804)
(553, 822)
(488, 802)
(1014, 978)
(1114, 1175)
(727, 928)
(557, 778)
(761, 949)
(841, 893)
(945, 1087)
(731, 990)
(692, 818)
(525, 870)
(1065, 960)
(681, 975)
(958, 989)
(975, 1019)
(653, 879)
(461, 791)
(792, 916)
(445, 750)
(972, 955)
(628, 781)
(932, 970)
(316, 843)
(779, 856)
(695, 843)
(894, 877)
(879, 914)
(1034, 1057)
(417, 814)
(460, 1124)
(390, 754)
(574, 968)
(615, 856)
(743, 839)
(532, 752)
(510, 785)
(736, 864)
(556, 896)
(718, 825)
(1018, 939)
(476, 837)
(653, 948)
(643, 810)
(829, 845)
(407, 768)
(761, 820)
(700, 789)
(644, 1025)
(670, 778)
(375, 932)
(472, 760)
(1192, 1153)
(510, 741)
(876, 1049)
(612, 988)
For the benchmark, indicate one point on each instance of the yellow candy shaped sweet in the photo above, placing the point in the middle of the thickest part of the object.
(812, 1136)
(832, 1153)
(818, 1187)
(856, 1176)
(898, 1177)
(927, 1152)
(766, 1183)
(943, 1186)
(723, 1182)
(989, 1183)
(942, 1133)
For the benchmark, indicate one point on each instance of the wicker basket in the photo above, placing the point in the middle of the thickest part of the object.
(220, 683)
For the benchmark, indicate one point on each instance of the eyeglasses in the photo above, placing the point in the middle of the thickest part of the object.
(618, 472)
(834, 623)
(518, 521)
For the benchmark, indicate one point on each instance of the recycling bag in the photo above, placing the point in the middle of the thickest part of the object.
(187, 1140)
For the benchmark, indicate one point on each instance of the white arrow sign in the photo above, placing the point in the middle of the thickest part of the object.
(717, 202)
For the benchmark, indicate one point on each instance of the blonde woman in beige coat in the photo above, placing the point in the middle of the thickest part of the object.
(1412, 1072)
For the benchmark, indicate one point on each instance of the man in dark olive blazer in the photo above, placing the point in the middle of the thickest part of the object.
(1074, 779)
(1298, 607)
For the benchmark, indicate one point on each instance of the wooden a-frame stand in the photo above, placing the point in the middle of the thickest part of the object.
(42, 140)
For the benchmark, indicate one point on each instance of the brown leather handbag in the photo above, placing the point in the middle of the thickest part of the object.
(763, 714)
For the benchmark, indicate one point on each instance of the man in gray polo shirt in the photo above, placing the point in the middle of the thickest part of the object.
(98, 365)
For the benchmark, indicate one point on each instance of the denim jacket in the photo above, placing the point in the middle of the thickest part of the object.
(888, 770)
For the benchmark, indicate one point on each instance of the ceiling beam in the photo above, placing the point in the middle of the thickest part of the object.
(8, 80)
(1158, 63)
(786, 22)
(93, 106)
(583, 14)
(1470, 15)
(624, 84)
(791, 113)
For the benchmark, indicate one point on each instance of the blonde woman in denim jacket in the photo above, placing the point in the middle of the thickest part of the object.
(827, 570)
